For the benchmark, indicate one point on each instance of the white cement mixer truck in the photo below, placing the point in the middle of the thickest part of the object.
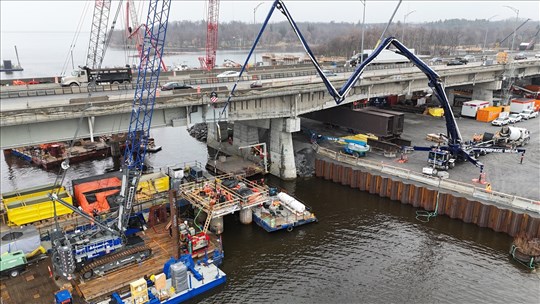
(512, 136)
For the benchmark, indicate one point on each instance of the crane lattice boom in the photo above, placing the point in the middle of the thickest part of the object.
(98, 33)
(209, 62)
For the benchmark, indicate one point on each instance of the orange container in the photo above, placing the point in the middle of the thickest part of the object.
(537, 104)
(488, 114)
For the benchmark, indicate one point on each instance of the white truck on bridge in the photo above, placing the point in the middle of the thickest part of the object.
(101, 76)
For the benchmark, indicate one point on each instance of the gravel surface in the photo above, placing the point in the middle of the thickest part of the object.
(503, 171)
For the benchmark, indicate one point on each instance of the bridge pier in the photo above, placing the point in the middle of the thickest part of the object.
(484, 91)
(450, 95)
(281, 147)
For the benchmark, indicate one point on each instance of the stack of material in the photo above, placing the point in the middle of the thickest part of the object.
(179, 277)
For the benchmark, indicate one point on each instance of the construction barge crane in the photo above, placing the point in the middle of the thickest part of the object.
(105, 246)
(454, 147)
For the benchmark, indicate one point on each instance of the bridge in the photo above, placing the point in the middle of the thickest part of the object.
(275, 109)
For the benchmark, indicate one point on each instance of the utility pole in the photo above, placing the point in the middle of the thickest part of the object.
(363, 29)
(403, 26)
(254, 21)
(517, 16)
(485, 37)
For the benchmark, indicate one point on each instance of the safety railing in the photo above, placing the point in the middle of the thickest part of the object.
(451, 185)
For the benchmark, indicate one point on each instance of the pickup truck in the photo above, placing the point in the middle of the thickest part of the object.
(527, 114)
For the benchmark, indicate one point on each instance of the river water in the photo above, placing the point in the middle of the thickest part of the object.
(364, 249)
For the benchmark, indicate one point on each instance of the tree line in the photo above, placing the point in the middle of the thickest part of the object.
(344, 39)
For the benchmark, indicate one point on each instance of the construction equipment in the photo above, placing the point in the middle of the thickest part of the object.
(134, 34)
(455, 146)
(98, 33)
(12, 263)
(209, 61)
(353, 147)
(105, 246)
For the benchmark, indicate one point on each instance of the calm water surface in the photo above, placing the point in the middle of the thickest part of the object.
(364, 249)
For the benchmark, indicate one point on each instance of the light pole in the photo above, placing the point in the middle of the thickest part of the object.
(363, 28)
(403, 26)
(517, 15)
(487, 28)
(254, 54)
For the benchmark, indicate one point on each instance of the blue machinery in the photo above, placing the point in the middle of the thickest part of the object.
(77, 251)
(457, 149)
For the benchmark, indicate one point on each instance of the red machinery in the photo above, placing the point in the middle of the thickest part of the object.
(134, 34)
(209, 61)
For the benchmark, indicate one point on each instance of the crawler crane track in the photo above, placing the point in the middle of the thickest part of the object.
(115, 261)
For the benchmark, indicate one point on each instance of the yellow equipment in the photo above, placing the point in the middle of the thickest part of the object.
(32, 205)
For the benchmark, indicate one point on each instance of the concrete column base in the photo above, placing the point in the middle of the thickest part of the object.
(282, 162)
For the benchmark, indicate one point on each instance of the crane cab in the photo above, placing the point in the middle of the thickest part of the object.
(441, 159)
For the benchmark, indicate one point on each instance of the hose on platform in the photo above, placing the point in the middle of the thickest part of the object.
(424, 215)
(195, 220)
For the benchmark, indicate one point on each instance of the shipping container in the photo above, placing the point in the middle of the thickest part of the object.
(518, 105)
(489, 113)
(470, 108)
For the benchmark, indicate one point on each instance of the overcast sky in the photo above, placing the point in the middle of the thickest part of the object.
(53, 16)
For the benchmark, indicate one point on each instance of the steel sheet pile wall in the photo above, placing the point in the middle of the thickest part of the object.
(483, 215)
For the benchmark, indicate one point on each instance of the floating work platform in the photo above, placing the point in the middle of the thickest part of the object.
(159, 239)
(50, 156)
(282, 211)
(233, 165)
(229, 193)
(180, 281)
(216, 197)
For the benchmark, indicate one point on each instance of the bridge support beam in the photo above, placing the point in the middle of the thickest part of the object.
(281, 147)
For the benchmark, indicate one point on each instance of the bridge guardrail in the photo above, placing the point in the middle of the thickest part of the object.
(452, 185)
(30, 92)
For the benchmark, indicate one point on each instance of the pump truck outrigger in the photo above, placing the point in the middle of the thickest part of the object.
(455, 148)
(105, 246)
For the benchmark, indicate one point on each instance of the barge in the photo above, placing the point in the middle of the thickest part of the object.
(51, 155)
(282, 211)
(181, 280)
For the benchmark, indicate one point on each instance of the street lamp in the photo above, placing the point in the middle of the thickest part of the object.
(254, 54)
(363, 28)
(403, 29)
(487, 28)
(517, 15)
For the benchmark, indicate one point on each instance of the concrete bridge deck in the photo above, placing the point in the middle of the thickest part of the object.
(25, 124)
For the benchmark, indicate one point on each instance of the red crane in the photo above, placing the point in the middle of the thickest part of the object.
(209, 61)
(134, 34)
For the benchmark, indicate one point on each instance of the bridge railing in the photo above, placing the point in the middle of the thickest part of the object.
(30, 91)
(448, 184)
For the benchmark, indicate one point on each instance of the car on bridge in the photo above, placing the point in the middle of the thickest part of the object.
(228, 74)
(455, 62)
(171, 86)
(520, 56)
(256, 84)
